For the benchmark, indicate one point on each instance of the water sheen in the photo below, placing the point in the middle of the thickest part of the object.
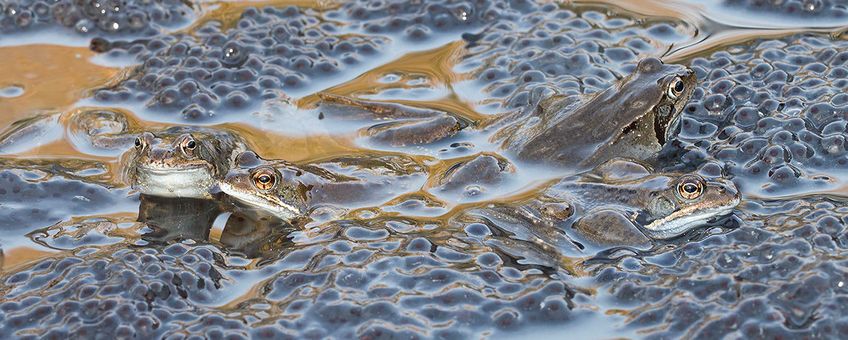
(85, 256)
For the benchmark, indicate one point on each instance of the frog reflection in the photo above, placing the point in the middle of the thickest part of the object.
(254, 233)
(176, 219)
(248, 232)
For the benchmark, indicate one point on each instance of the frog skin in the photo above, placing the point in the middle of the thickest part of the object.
(662, 206)
(288, 191)
(633, 119)
(473, 177)
(181, 161)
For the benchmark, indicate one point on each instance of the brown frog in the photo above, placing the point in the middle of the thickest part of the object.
(289, 191)
(181, 161)
(623, 203)
(632, 119)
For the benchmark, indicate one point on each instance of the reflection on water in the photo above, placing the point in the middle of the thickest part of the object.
(417, 225)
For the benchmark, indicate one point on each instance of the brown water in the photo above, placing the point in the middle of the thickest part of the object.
(421, 261)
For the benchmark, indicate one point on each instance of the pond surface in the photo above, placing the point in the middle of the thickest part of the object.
(85, 255)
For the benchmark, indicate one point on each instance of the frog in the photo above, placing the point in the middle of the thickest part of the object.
(623, 203)
(176, 161)
(291, 191)
(632, 119)
(180, 161)
(640, 114)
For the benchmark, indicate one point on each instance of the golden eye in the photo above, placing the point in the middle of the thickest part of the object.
(264, 179)
(676, 88)
(690, 187)
(139, 144)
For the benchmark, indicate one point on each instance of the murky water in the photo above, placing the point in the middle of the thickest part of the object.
(411, 255)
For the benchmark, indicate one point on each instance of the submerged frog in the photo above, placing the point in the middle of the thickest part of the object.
(408, 125)
(632, 119)
(288, 191)
(181, 161)
(623, 203)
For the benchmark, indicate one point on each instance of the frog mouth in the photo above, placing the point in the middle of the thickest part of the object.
(154, 167)
(192, 182)
(268, 203)
(685, 219)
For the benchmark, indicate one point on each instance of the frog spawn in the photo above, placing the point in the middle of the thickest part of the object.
(561, 50)
(33, 198)
(770, 277)
(511, 316)
(273, 51)
(417, 21)
(792, 8)
(102, 17)
(772, 113)
(158, 292)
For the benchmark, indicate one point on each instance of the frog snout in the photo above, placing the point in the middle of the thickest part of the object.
(160, 154)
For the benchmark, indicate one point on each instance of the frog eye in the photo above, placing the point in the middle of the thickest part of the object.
(188, 145)
(690, 187)
(264, 179)
(142, 140)
(676, 88)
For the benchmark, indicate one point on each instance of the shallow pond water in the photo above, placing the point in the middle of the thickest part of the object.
(414, 256)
